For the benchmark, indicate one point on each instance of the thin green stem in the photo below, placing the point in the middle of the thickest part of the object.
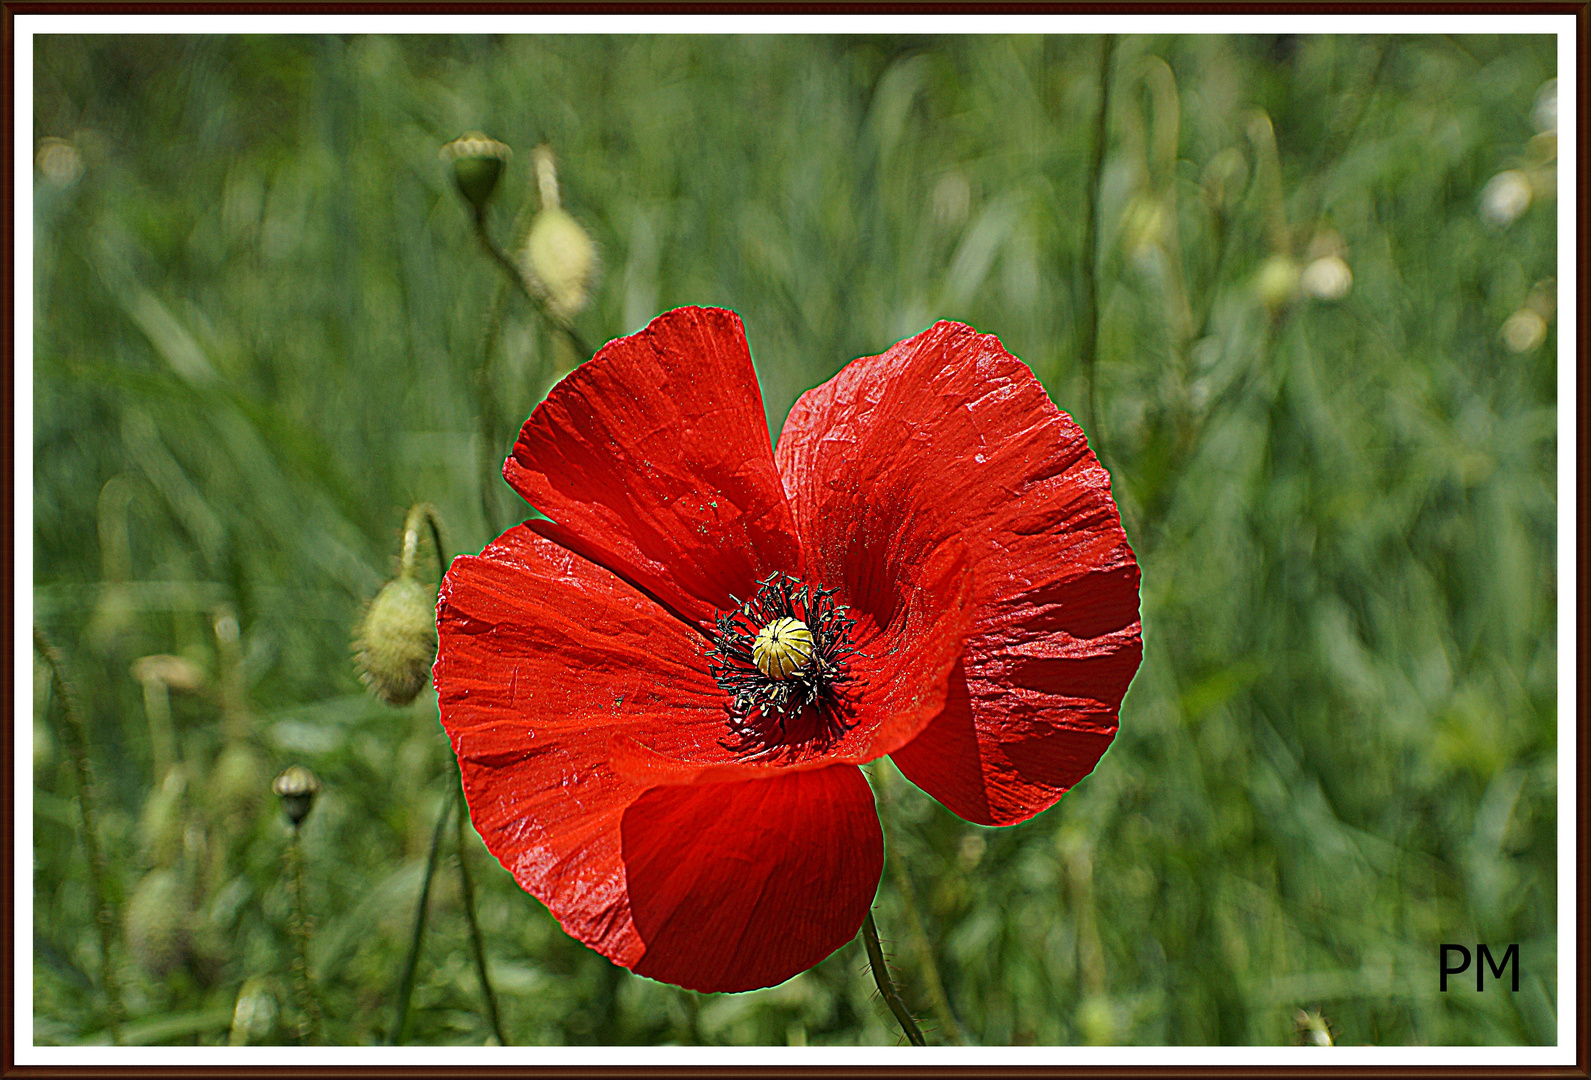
(512, 277)
(485, 454)
(1222, 234)
(886, 986)
(511, 272)
(418, 513)
(308, 1003)
(477, 944)
(607, 1003)
(921, 945)
(412, 961)
(105, 915)
(1088, 335)
(517, 279)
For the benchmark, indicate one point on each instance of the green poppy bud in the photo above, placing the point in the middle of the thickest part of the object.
(161, 823)
(254, 1015)
(237, 783)
(1277, 282)
(477, 165)
(157, 923)
(562, 260)
(297, 787)
(396, 642)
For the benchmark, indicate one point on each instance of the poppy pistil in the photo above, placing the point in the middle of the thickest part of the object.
(782, 647)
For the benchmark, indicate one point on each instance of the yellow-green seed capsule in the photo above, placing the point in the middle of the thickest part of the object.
(477, 163)
(782, 648)
(297, 787)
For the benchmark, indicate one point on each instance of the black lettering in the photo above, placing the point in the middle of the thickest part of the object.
(1446, 971)
(1510, 956)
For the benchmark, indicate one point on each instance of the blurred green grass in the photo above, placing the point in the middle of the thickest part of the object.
(258, 317)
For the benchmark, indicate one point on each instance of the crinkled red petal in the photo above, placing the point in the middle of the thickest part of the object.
(654, 457)
(740, 885)
(947, 434)
(545, 662)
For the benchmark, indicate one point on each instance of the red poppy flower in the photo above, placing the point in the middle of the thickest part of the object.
(659, 698)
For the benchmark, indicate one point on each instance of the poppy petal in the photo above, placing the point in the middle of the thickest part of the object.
(548, 660)
(948, 434)
(543, 657)
(741, 885)
(654, 457)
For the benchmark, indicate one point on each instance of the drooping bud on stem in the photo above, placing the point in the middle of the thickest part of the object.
(160, 675)
(395, 644)
(559, 258)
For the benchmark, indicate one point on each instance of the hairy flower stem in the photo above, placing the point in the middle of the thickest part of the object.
(517, 279)
(1088, 335)
(105, 914)
(418, 513)
(484, 452)
(412, 961)
(513, 279)
(477, 944)
(308, 1003)
(886, 986)
(914, 924)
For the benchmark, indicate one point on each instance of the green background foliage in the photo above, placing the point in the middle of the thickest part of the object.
(259, 310)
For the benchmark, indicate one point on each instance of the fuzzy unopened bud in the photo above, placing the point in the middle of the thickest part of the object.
(1545, 112)
(396, 642)
(161, 823)
(1224, 179)
(157, 923)
(1524, 331)
(562, 260)
(1505, 197)
(238, 782)
(58, 161)
(254, 1014)
(477, 164)
(297, 787)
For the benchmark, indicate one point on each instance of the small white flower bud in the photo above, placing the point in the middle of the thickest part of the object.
(1505, 197)
(1524, 331)
(1327, 278)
